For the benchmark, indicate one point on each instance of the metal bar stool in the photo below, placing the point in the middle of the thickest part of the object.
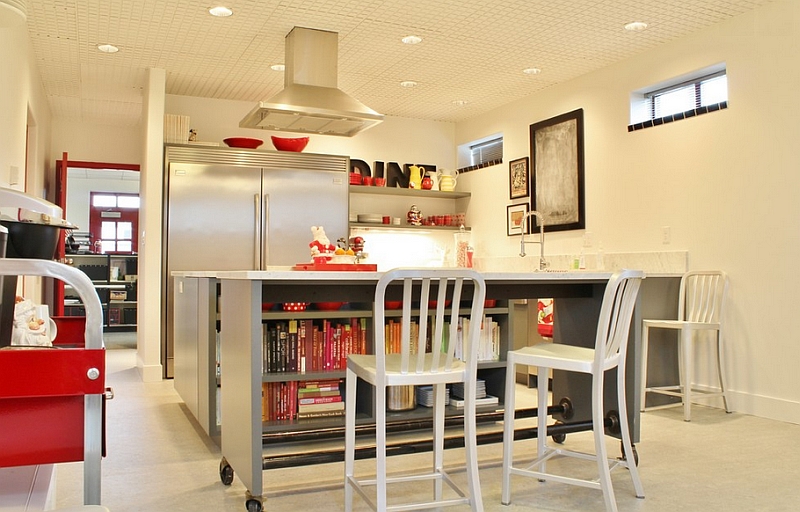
(609, 352)
(700, 303)
(419, 364)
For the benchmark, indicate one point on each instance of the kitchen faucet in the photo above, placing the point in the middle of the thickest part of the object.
(522, 242)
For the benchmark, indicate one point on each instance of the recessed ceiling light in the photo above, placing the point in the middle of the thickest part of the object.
(220, 11)
(412, 39)
(459, 103)
(408, 83)
(635, 26)
(107, 48)
(531, 71)
(278, 67)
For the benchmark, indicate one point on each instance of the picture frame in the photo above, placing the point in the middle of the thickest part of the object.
(519, 178)
(557, 174)
(515, 213)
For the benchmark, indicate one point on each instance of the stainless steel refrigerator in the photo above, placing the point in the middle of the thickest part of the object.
(240, 209)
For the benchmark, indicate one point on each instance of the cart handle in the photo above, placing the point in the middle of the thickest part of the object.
(80, 282)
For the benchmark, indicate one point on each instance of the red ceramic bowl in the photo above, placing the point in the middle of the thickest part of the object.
(295, 306)
(243, 142)
(393, 304)
(283, 144)
(489, 303)
(266, 306)
(328, 306)
(433, 303)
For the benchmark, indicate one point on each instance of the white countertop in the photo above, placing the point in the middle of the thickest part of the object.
(287, 274)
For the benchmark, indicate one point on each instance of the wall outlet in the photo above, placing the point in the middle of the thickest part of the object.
(13, 175)
(666, 235)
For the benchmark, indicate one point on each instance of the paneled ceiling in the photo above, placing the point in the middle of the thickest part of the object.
(472, 51)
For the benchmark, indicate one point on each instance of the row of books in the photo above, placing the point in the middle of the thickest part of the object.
(297, 400)
(311, 346)
(488, 341)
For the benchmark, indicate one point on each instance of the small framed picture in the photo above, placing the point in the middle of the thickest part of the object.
(518, 178)
(516, 216)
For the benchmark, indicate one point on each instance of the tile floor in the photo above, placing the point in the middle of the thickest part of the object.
(160, 461)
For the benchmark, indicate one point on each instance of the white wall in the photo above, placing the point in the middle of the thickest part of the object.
(395, 140)
(90, 142)
(726, 183)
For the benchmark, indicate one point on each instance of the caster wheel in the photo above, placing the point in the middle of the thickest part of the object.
(225, 472)
(635, 453)
(253, 505)
(559, 438)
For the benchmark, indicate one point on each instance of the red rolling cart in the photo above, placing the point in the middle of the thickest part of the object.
(51, 399)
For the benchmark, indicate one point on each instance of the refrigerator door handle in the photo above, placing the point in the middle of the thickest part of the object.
(257, 234)
(265, 233)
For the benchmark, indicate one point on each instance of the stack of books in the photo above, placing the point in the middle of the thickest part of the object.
(481, 398)
(319, 399)
(425, 396)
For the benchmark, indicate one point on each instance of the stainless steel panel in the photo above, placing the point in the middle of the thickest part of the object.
(296, 200)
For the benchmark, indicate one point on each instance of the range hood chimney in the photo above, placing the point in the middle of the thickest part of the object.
(311, 102)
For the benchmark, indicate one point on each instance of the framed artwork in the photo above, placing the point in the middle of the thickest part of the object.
(518, 178)
(515, 216)
(557, 175)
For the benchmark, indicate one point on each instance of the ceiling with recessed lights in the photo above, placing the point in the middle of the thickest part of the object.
(470, 59)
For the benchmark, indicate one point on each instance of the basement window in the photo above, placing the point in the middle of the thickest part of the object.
(480, 153)
(688, 96)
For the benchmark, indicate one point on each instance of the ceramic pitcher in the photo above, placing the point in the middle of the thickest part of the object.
(415, 178)
(447, 182)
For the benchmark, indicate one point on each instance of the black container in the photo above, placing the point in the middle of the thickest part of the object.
(31, 240)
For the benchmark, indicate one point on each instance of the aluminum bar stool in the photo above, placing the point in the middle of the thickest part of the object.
(609, 352)
(420, 363)
(700, 303)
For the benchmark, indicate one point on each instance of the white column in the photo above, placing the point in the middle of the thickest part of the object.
(149, 293)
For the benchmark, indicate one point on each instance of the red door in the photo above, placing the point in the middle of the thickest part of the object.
(113, 222)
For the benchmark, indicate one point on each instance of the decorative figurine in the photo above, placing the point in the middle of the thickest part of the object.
(414, 216)
(192, 135)
(321, 246)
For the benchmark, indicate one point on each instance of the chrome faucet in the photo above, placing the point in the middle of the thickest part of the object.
(522, 242)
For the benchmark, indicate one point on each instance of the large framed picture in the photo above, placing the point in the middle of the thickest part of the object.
(516, 218)
(518, 178)
(557, 174)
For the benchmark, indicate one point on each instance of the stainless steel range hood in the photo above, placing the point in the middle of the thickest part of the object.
(311, 101)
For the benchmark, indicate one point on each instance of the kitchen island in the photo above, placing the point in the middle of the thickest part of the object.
(242, 293)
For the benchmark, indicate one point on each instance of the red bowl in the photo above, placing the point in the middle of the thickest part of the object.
(242, 142)
(355, 178)
(266, 306)
(328, 306)
(393, 304)
(295, 306)
(433, 303)
(490, 303)
(283, 144)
